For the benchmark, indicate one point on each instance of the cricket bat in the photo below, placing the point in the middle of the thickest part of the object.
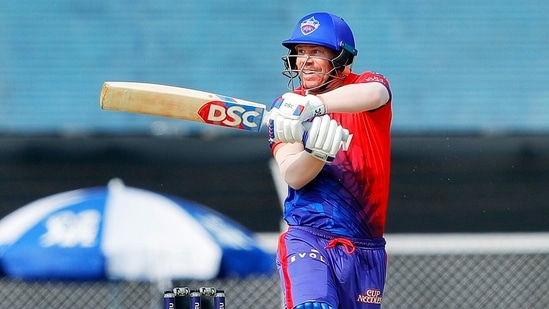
(188, 104)
(183, 103)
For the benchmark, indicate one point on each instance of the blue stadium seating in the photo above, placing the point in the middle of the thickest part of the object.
(455, 66)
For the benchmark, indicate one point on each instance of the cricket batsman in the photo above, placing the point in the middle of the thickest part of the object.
(333, 254)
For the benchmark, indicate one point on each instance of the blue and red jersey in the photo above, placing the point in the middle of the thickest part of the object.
(350, 195)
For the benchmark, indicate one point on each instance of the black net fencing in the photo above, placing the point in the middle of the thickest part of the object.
(418, 278)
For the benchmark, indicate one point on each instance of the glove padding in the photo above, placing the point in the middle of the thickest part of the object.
(324, 138)
(289, 113)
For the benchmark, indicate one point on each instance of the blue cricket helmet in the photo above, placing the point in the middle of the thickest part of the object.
(326, 30)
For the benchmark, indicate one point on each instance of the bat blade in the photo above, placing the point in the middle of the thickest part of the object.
(183, 103)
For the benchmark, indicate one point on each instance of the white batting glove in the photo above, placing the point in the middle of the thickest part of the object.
(289, 113)
(324, 138)
(305, 107)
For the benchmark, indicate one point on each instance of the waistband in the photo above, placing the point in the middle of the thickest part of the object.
(359, 242)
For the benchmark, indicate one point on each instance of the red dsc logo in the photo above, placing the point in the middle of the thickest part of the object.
(232, 115)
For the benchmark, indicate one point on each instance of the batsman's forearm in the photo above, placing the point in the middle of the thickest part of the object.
(355, 98)
(297, 167)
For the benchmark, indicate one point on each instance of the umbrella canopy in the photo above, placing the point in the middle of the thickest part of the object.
(124, 233)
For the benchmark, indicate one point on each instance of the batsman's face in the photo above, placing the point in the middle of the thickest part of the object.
(314, 63)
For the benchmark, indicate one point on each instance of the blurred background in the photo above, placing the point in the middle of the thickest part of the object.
(469, 80)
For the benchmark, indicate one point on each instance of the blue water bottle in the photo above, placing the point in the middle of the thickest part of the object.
(219, 299)
(169, 300)
(194, 299)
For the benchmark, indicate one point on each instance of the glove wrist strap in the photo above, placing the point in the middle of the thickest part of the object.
(319, 155)
(319, 108)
